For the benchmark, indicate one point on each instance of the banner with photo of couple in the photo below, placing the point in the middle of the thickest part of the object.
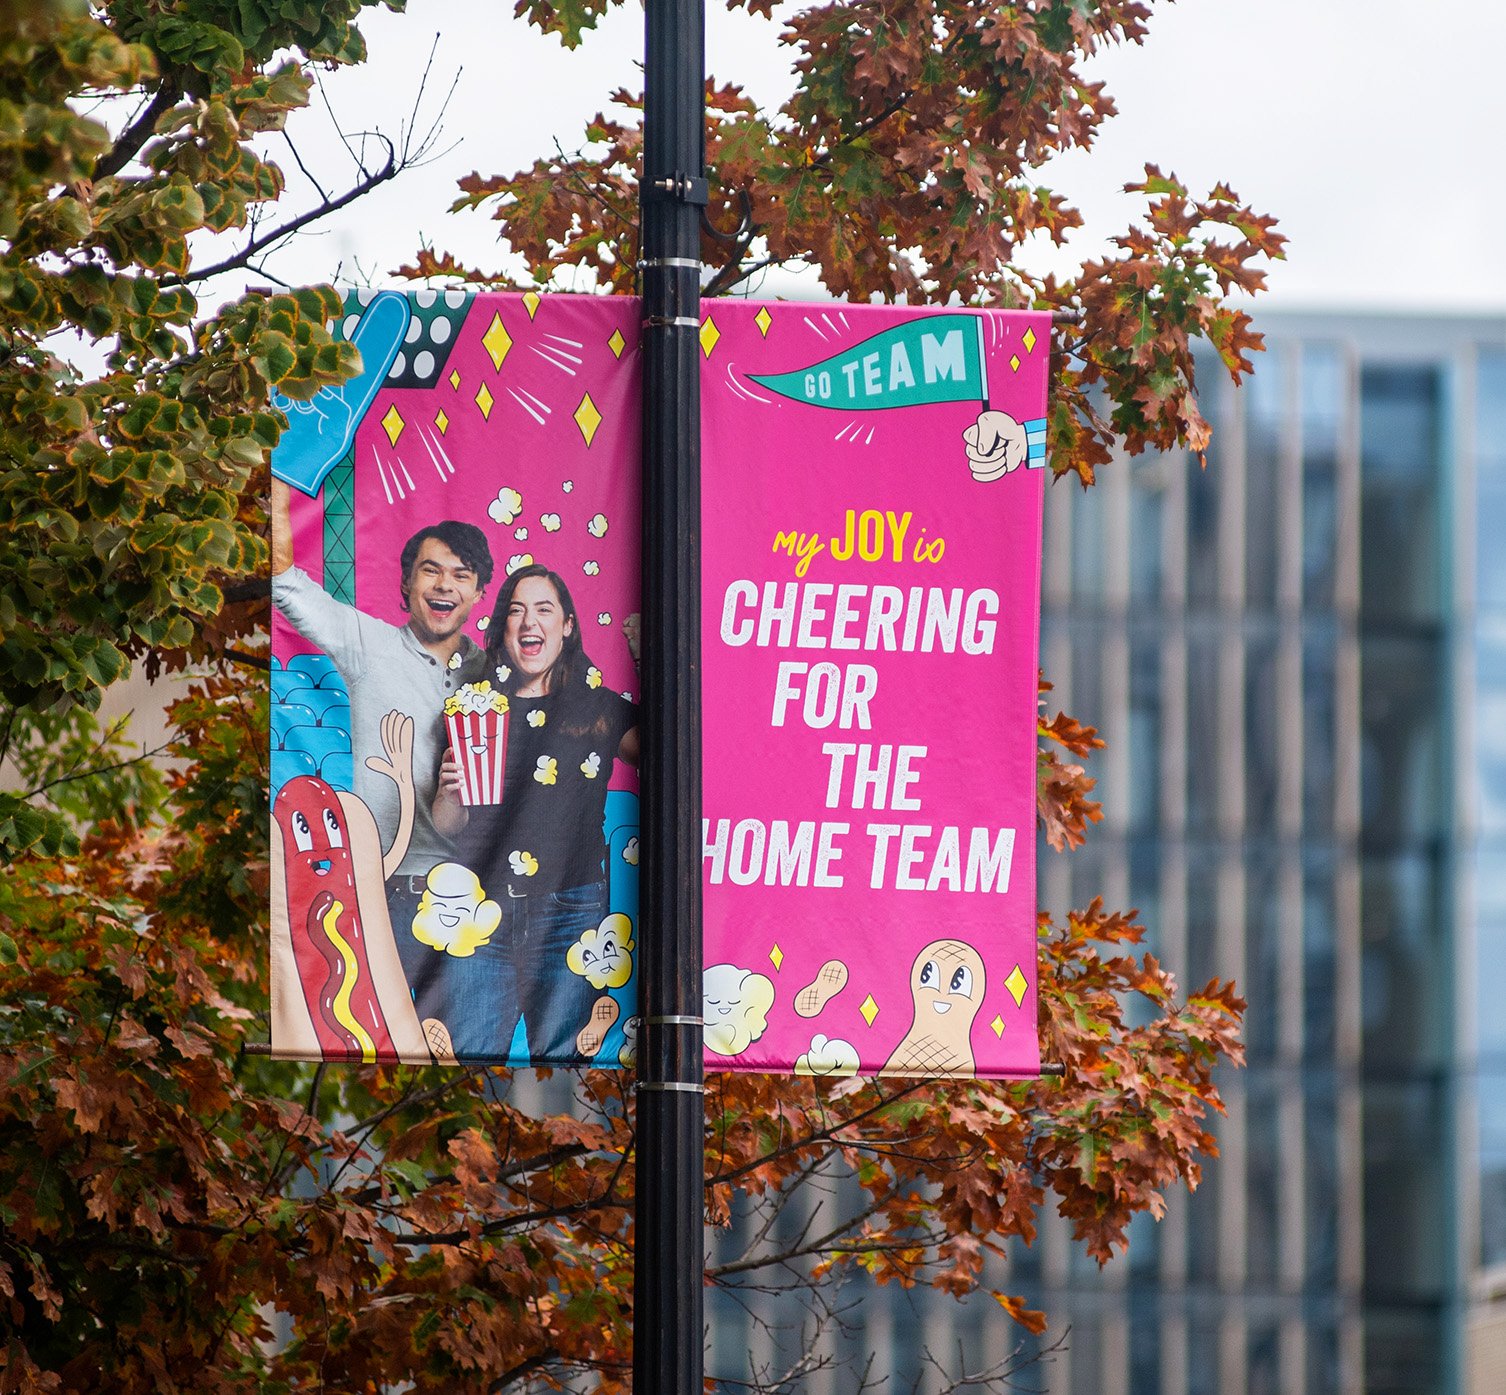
(456, 587)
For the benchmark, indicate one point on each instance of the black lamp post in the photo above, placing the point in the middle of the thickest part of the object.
(669, 1309)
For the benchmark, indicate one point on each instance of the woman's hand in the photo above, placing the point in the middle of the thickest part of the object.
(627, 750)
(450, 815)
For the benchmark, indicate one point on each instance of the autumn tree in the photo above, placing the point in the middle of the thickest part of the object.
(180, 1215)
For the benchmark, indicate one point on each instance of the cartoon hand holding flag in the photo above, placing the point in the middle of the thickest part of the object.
(926, 361)
(996, 445)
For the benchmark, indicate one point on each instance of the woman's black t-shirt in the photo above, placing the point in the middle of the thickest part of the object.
(547, 832)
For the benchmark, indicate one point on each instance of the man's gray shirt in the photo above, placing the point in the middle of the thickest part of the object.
(386, 669)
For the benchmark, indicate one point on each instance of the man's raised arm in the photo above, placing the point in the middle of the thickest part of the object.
(338, 629)
(282, 529)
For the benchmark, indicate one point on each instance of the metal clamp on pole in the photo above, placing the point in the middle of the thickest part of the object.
(686, 263)
(683, 188)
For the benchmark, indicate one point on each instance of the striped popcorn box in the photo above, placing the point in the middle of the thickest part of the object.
(476, 720)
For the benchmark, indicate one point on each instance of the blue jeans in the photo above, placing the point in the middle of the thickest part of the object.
(428, 971)
(521, 972)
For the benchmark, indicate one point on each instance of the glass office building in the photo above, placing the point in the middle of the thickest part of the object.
(1299, 659)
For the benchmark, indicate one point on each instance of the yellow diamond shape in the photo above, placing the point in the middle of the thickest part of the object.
(709, 335)
(616, 343)
(531, 301)
(587, 418)
(1014, 362)
(763, 320)
(869, 1009)
(998, 1025)
(1017, 985)
(496, 341)
(1029, 340)
(393, 424)
(441, 421)
(776, 958)
(484, 401)
(455, 378)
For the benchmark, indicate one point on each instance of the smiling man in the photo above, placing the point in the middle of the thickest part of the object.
(444, 570)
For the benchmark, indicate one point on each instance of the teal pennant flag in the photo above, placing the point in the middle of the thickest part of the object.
(932, 358)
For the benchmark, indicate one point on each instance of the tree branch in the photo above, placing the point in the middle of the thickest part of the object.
(722, 282)
(588, 191)
(97, 770)
(240, 656)
(128, 144)
(252, 588)
(506, 1223)
(825, 1135)
(523, 1368)
(390, 168)
(821, 1245)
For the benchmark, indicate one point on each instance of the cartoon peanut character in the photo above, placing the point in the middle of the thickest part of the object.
(946, 987)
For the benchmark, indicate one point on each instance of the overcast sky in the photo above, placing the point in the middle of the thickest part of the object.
(1371, 128)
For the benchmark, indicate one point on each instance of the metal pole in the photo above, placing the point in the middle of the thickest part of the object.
(668, 1305)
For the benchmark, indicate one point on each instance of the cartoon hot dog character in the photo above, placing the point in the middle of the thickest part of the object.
(338, 990)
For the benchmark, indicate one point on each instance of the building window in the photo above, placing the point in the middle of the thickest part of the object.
(1322, 397)
(1399, 444)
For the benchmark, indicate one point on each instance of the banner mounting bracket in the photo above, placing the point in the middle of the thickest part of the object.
(682, 188)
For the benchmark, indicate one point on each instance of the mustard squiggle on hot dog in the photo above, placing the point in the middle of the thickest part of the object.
(343, 1014)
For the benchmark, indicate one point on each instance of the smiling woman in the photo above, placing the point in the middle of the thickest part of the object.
(539, 852)
(538, 633)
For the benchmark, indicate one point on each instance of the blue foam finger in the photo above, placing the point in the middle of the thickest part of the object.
(322, 430)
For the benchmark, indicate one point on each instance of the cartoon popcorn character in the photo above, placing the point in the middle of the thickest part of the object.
(476, 721)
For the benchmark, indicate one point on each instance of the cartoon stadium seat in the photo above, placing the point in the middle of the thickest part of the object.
(336, 715)
(318, 700)
(316, 670)
(318, 742)
(284, 682)
(287, 764)
(287, 717)
(338, 770)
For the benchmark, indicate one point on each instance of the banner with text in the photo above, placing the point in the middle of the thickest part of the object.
(872, 487)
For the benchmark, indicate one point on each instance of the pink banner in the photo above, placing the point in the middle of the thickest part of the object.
(872, 490)
(453, 723)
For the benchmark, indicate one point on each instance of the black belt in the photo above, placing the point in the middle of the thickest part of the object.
(416, 886)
